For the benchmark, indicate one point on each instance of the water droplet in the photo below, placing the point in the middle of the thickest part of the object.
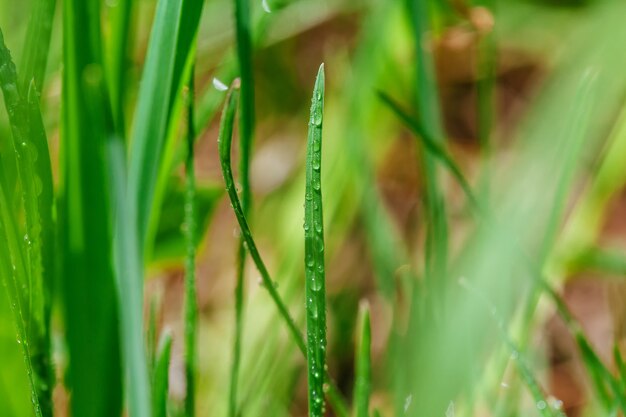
(316, 165)
(407, 402)
(317, 186)
(317, 119)
(308, 196)
(316, 283)
(450, 410)
(219, 85)
(266, 6)
(541, 405)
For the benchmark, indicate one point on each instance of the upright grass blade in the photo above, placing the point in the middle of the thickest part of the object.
(246, 127)
(363, 364)
(129, 278)
(224, 146)
(436, 250)
(28, 139)
(151, 118)
(12, 265)
(160, 380)
(118, 50)
(88, 280)
(191, 303)
(315, 291)
(37, 45)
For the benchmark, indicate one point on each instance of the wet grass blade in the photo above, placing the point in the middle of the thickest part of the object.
(12, 266)
(160, 382)
(36, 48)
(88, 279)
(191, 302)
(363, 365)
(315, 284)
(224, 146)
(28, 140)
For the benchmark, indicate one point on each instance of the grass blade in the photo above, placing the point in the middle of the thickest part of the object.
(37, 45)
(224, 145)
(431, 145)
(160, 382)
(244, 55)
(363, 365)
(191, 298)
(119, 47)
(28, 139)
(12, 264)
(246, 127)
(88, 284)
(427, 101)
(152, 113)
(315, 291)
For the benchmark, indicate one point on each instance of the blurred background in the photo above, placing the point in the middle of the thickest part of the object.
(526, 97)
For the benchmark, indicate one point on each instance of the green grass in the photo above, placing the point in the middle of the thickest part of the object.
(110, 181)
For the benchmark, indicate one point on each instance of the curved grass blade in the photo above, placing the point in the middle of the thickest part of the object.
(224, 145)
(246, 127)
(363, 365)
(160, 382)
(315, 281)
(191, 303)
(37, 45)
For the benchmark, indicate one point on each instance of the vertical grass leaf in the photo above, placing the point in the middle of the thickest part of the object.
(315, 281)
(88, 281)
(363, 364)
(160, 382)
